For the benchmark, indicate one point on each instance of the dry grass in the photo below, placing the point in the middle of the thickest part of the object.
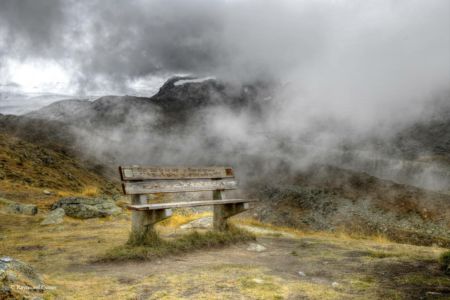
(338, 234)
(87, 191)
(150, 245)
(63, 255)
(181, 217)
(90, 191)
(27, 170)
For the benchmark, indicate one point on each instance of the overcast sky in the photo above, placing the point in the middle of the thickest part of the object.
(362, 54)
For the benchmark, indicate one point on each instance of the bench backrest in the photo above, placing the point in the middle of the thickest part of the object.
(155, 179)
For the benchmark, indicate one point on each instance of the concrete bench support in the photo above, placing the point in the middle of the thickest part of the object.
(142, 222)
(223, 211)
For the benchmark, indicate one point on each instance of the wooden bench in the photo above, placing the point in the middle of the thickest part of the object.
(138, 181)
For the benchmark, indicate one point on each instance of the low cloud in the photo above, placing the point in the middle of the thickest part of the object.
(340, 71)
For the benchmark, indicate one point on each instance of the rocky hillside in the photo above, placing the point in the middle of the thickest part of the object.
(30, 172)
(333, 199)
(113, 130)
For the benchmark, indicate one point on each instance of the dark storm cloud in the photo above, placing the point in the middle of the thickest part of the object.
(116, 40)
(29, 28)
(129, 39)
(137, 38)
(341, 55)
(122, 40)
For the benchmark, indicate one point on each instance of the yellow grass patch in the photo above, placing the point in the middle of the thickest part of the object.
(181, 218)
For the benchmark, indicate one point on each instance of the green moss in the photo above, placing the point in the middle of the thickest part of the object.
(148, 245)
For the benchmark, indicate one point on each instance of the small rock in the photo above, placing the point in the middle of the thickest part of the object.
(6, 259)
(256, 247)
(301, 274)
(47, 192)
(258, 280)
(54, 217)
(335, 284)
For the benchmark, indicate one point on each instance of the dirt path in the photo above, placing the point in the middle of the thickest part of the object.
(288, 268)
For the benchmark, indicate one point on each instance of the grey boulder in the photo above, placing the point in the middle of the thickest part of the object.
(19, 280)
(86, 208)
(54, 217)
(18, 208)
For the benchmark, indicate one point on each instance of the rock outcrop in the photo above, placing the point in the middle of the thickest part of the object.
(86, 208)
(18, 280)
(18, 208)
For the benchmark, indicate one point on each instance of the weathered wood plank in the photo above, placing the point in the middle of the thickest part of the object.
(176, 186)
(157, 206)
(154, 172)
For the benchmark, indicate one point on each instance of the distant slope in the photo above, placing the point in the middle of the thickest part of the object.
(431, 137)
(173, 105)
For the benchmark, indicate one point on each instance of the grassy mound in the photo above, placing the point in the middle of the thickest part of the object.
(152, 246)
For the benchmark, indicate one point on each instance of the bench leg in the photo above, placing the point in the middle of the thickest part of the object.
(224, 211)
(142, 225)
(142, 222)
(219, 219)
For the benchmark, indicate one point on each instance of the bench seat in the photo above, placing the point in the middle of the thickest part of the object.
(158, 206)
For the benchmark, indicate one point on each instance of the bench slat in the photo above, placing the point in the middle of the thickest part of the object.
(177, 186)
(157, 206)
(130, 173)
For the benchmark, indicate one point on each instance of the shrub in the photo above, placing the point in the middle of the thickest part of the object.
(444, 260)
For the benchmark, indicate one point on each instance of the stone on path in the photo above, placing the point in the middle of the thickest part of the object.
(256, 247)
